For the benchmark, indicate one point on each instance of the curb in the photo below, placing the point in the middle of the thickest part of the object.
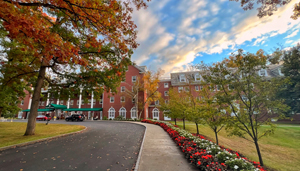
(141, 149)
(41, 140)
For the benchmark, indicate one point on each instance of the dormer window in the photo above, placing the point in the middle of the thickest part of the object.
(197, 77)
(182, 78)
(280, 73)
(263, 72)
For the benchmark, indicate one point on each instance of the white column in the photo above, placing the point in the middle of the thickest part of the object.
(48, 99)
(92, 104)
(30, 99)
(68, 104)
(80, 98)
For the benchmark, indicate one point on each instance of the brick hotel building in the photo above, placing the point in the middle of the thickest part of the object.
(114, 105)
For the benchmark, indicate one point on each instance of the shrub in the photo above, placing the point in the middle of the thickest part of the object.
(104, 118)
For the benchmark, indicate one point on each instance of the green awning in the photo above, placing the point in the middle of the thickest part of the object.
(39, 110)
(83, 109)
(55, 106)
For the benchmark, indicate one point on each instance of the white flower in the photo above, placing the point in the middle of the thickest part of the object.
(236, 167)
(227, 157)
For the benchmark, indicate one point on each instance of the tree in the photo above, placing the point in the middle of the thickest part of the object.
(213, 111)
(84, 44)
(269, 6)
(147, 84)
(290, 92)
(250, 96)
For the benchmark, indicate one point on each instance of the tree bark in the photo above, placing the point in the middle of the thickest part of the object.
(197, 128)
(258, 152)
(216, 134)
(30, 130)
(183, 123)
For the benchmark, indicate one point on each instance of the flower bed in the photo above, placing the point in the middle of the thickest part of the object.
(205, 154)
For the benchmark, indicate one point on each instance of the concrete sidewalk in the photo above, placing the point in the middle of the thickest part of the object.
(160, 153)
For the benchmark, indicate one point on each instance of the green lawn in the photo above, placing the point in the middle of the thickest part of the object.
(280, 151)
(12, 132)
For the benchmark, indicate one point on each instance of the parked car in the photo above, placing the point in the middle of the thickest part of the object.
(43, 118)
(75, 117)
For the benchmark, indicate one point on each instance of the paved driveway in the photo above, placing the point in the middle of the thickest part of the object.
(106, 145)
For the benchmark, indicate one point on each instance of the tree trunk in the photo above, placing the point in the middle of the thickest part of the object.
(197, 128)
(183, 123)
(258, 152)
(30, 130)
(175, 121)
(217, 141)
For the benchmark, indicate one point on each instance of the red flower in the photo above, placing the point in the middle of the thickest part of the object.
(199, 162)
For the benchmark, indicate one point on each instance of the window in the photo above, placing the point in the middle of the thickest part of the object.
(133, 112)
(166, 101)
(280, 73)
(122, 112)
(197, 88)
(166, 93)
(82, 102)
(197, 77)
(39, 103)
(230, 87)
(182, 78)
(112, 99)
(123, 89)
(111, 113)
(187, 89)
(263, 72)
(89, 102)
(122, 99)
(218, 87)
(133, 100)
(52, 102)
(180, 89)
(133, 79)
(61, 102)
(71, 102)
(22, 102)
(100, 101)
(201, 88)
(155, 113)
(94, 101)
(43, 103)
(166, 85)
(156, 102)
(77, 102)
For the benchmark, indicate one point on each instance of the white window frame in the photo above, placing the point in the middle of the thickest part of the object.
(217, 87)
(133, 113)
(100, 101)
(154, 112)
(197, 88)
(43, 103)
(265, 72)
(112, 99)
(166, 85)
(187, 89)
(122, 99)
(133, 79)
(71, 102)
(133, 100)
(111, 113)
(89, 102)
(156, 102)
(201, 87)
(182, 78)
(122, 112)
(77, 102)
(61, 102)
(94, 101)
(166, 93)
(123, 89)
(280, 73)
(22, 102)
(180, 89)
(197, 77)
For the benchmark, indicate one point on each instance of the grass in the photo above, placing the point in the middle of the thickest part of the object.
(12, 132)
(280, 151)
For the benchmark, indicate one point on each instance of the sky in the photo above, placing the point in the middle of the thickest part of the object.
(174, 34)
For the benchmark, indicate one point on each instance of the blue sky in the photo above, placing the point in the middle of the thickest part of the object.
(176, 33)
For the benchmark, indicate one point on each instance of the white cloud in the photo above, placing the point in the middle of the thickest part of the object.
(292, 34)
(214, 9)
(288, 41)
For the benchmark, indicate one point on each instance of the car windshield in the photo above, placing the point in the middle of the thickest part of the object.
(40, 116)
